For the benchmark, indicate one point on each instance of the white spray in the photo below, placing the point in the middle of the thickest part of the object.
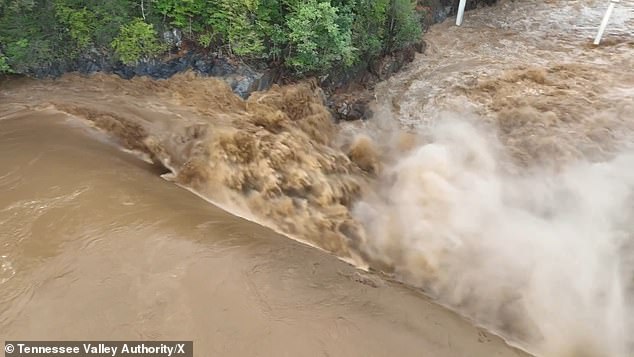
(545, 259)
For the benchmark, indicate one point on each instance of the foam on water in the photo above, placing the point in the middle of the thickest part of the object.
(497, 174)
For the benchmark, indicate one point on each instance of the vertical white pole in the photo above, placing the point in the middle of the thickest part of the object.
(461, 7)
(605, 21)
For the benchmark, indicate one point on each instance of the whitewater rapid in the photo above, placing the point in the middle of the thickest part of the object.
(495, 176)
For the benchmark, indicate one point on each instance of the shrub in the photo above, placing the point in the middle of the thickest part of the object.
(307, 36)
(319, 37)
(137, 41)
(80, 24)
(235, 22)
(4, 66)
(403, 24)
(369, 28)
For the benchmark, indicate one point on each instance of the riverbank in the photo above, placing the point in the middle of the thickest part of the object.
(349, 89)
(499, 184)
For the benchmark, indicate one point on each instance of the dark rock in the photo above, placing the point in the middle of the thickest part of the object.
(241, 85)
(240, 78)
(420, 47)
(349, 107)
(124, 72)
(222, 67)
(266, 80)
(173, 38)
(88, 66)
(203, 67)
(244, 79)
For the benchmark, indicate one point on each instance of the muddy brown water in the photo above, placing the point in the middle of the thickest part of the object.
(95, 245)
(496, 178)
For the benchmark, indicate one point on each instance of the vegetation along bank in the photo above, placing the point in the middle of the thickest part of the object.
(250, 43)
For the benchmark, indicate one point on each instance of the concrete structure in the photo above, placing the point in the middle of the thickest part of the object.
(597, 40)
(605, 21)
(460, 16)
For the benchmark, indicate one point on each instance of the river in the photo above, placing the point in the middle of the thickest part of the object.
(494, 180)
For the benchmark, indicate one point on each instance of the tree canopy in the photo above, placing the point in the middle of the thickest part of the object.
(305, 36)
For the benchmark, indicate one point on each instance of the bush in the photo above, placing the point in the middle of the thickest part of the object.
(28, 35)
(404, 24)
(137, 41)
(187, 15)
(306, 36)
(369, 28)
(4, 66)
(319, 37)
(232, 24)
(235, 21)
(80, 24)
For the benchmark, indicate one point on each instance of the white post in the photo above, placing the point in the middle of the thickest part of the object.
(461, 7)
(605, 21)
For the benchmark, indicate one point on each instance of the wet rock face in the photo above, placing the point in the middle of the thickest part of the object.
(241, 79)
(173, 38)
(244, 80)
(351, 107)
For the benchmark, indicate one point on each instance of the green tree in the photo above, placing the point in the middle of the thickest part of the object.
(187, 15)
(80, 23)
(319, 37)
(369, 28)
(235, 21)
(403, 24)
(307, 36)
(271, 22)
(232, 24)
(29, 34)
(101, 19)
(137, 41)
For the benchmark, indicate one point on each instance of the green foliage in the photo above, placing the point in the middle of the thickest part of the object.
(187, 15)
(94, 22)
(4, 65)
(319, 37)
(25, 34)
(137, 41)
(235, 22)
(204, 39)
(232, 24)
(272, 26)
(306, 36)
(404, 24)
(80, 24)
(369, 28)
(16, 6)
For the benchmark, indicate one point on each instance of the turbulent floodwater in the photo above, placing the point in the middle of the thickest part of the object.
(95, 245)
(496, 176)
(517, 208)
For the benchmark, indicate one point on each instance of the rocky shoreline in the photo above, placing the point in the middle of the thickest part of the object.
(349, 91)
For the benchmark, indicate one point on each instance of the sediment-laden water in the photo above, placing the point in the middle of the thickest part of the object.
(496, 177)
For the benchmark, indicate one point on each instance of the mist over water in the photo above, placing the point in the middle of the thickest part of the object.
(544, 257)
(512, 200)
(497, 175)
